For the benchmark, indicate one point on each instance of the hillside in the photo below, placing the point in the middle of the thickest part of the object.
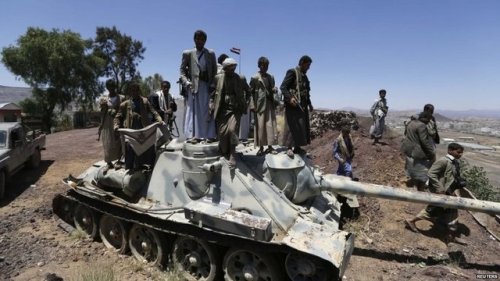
(385, 249)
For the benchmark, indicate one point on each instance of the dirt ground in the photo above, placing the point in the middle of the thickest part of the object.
(32, 244)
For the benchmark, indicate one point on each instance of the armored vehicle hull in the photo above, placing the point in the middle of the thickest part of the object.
(269, 218)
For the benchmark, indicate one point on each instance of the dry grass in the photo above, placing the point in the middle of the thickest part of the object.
(96, 272)
(78, 234)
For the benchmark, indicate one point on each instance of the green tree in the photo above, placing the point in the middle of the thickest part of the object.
(58, 65)
(151, 84)
(120, 53)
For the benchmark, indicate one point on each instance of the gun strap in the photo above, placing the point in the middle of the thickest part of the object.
(298, 84)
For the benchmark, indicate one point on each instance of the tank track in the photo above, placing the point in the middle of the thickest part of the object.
(64, 206)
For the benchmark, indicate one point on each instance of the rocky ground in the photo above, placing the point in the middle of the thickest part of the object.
(33, 245)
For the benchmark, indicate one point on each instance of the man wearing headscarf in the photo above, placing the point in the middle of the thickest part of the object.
(295, 88)
(227, 103)
(197, 72)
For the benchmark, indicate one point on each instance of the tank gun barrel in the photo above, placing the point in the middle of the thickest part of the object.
(344, 185)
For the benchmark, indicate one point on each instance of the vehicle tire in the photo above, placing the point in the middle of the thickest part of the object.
(197, 259)
(146, 245)
(86, 220)
(35, 159)
(113, 233)
(247, 264)
(2, 184)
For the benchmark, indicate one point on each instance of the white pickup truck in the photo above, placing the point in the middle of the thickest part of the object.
(19, 146)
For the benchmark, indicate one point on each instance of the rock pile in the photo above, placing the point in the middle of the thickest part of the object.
(321, 121)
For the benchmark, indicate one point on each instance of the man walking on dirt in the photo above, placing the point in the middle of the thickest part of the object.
(378, 111)
(296, 94)
(419, 150)
(444, 178)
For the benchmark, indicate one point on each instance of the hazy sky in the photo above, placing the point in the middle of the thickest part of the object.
(445, 52)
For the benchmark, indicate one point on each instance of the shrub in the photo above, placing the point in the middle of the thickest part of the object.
(479, 184)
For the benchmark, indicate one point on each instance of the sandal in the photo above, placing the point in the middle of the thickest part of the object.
(268, 150)
(299, 151)
(411, 226)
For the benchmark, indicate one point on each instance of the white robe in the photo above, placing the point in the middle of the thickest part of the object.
(202, 122)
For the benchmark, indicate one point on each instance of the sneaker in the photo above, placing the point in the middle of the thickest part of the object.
(290, 153)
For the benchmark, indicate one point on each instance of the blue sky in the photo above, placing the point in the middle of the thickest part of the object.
(445, 52)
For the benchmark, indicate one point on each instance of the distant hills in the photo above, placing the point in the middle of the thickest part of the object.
(441, 115)
(14, 94)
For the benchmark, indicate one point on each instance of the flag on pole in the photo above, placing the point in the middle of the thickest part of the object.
(235, 50)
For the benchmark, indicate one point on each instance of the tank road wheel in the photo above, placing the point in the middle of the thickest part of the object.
(2, 184)
(113, 233)
(242, 264)
(146, 245)
(35, 159)
(85, 220)
(196, 258)
(304, 267)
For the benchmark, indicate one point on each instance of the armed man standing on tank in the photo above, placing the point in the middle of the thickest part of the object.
(227, 103)
(295, 88)
(110, 141)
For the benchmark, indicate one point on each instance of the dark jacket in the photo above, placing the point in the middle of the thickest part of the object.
(236, 99)
(418, 143)
(289, 87)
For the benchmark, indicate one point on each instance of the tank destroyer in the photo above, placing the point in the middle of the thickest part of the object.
(269, 218)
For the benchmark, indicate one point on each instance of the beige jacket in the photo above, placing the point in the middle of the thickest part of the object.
(190, 70)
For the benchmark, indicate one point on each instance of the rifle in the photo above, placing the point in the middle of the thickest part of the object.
(292, 92)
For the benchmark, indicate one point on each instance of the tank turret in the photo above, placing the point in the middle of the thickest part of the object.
(269, 218)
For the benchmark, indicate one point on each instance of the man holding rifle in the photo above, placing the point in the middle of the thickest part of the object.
(295, 89)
